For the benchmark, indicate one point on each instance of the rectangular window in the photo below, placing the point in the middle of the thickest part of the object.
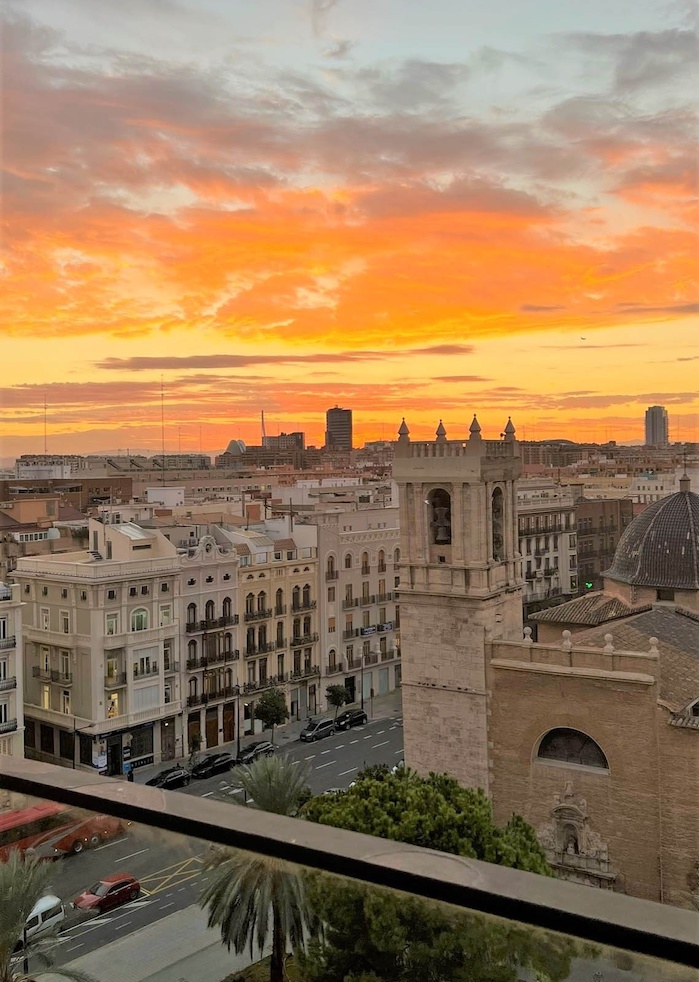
(331, 625)
(46, 697)
(45, 657)
(45, 619)
(348, 593)
(164, 587)
(3, 669)
(65, 663)
(167, 691)
(111, 594)
(46, 738)
(331, 594)
(65, 622)
(112, 624)
(165, 615)
(365, 618)
(65, 702)
(251, 672)
(262, 670)
(65, 744)
(4, 712)
(3, 629)
(573, 562)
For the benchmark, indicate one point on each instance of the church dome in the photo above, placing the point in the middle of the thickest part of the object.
(660, 548)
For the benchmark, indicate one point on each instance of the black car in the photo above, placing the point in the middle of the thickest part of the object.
(173, 777)
(213, 764)
(350, 718)
(316, 729)
(263, 748)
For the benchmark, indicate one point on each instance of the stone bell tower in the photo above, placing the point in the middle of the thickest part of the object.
(460, 580)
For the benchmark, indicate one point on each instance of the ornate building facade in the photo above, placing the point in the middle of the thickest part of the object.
(593, 736)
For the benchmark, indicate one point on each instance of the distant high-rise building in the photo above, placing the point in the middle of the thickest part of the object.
(338, 429)
(656, 427)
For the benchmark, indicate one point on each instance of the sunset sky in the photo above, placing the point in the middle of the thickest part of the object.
(406, 208)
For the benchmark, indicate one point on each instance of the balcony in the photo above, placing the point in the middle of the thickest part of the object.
(365, 570)
(372, 658)
(384, 598)
(299, 608)
(115, 681)
(147, 672)
(265, 648)
(8, 727)
(9, 642)
(228, 620)
(330, 575)
(194, 664)
(269, 683)
(335, 669)
(281, 643)
(171, 667)
(351, 632)
(257, 615)
(9, 683)
(390, 654)
(304, 673)
(351, 602)
(52, 675)
(383, 628)
(501, 917)
(203, 698)
(382, 567)
(280, 610)
(300, 639)
(354, 664)
(367, 600)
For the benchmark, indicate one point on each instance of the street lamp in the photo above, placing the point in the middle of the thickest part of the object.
(361, 678)
(237, 724)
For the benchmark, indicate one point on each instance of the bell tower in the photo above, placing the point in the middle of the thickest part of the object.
(460, 581)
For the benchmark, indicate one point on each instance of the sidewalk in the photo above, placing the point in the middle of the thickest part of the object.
(380, 707)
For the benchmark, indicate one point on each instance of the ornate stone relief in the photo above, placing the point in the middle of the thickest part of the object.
(572, 848)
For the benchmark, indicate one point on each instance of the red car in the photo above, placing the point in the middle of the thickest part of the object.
(110, 891)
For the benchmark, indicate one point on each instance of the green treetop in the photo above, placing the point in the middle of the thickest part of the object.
(271, 709)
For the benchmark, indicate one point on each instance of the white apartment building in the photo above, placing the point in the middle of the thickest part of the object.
(358, 556)
(547, 541)
(11, 681)
(278, 599)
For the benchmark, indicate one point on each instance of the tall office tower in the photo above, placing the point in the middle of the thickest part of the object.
(338, 429)
(656, 427)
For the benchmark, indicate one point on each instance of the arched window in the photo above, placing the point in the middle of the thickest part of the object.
(296, 598)
(262, 636)
(193, 686)
(571, 747)
(191, 614)
(332, 660)
(365, 564)
(439, 502)
(307, 595)
(280, 634)
(296, 628)
(228, 678)
(330, 569)
(227, 607)
(306, 626)
(191, 653)
(139, 619)
(261, 601)
(279, 601)
(250, 641)
(497, 524)
(227, 643)
(382, 561)
(209, 610)
(348, 560)
(250, 603)
(396, 556)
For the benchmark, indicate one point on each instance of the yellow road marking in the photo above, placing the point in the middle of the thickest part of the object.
(173, 875)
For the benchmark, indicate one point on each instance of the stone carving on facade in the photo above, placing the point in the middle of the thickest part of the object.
(573, 849)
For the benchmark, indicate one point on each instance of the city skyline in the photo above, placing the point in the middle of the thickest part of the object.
(214, 208)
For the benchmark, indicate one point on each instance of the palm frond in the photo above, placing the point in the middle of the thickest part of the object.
(274, 784)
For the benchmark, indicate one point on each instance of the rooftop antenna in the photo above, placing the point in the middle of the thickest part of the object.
(262, 426)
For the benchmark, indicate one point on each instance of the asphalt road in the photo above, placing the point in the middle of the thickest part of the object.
(170, 868)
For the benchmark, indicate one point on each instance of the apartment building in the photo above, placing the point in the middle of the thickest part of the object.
(11, 681)
(600, 525)
(358, 557)
(547, 543)
(278, 601)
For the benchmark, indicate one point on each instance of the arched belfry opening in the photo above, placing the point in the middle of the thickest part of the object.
(497, 523)
(439, 502)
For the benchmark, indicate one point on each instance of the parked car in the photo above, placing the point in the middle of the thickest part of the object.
(213, 764)
(46, 917)
(262, 748)
(173, 777)
(350, 718)
(110, 891)
(316, 729)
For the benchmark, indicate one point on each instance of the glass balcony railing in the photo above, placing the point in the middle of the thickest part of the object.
(173, 865)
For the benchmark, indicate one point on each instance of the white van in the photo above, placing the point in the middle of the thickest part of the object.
(47, 916)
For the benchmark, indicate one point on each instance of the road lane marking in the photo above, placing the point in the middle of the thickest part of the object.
(312, 757)
(353, 741)
(399, 751)
(120, 927)
(377, 745)
(340, 746)
(342, 773)
(326, 764)
(325, 752)
(131, 855)
(207, 794)
(114, 842)
(74, 948)
(380, 732)
(165, 906)
(369, 736)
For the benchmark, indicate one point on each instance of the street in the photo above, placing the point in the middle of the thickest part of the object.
(170, 868)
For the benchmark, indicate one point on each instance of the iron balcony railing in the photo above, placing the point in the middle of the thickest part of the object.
(52, 675)
(171, 667)
(335, 669)
(508, 915)
(8, 683)
(331, 574)
(9, 726)
(9, 642)
(258, 615)
(116, 680)
(305, 605)
(193, 664)
(350, 602)
(271, 682)
(301, 639)
(147, 672)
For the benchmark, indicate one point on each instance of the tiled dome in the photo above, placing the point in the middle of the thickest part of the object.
(660, 548)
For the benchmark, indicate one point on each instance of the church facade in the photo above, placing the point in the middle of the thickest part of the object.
(592, 734)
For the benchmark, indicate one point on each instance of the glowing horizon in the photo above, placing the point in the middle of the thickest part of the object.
(301, 203)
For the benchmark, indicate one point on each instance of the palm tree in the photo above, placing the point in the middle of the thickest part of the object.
(249, 893)
(23, 880)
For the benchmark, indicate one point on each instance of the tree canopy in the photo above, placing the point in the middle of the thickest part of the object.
(338, 696)
(271, 709)
(435, 812)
